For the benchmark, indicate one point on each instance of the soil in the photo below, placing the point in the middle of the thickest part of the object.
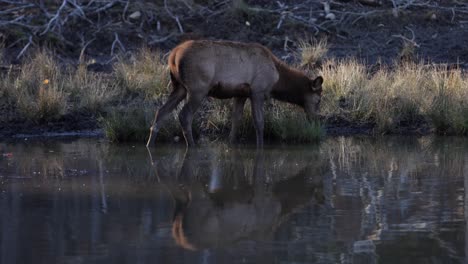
(372, 34)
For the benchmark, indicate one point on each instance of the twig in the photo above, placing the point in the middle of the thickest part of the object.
(125, 10)
(407, 39)
(280, 22)
(15, 9)
(117, 42)
(30, 42)
(162, 39)
(107, 6)
(176, 18)
(83, 50)
(54, 18)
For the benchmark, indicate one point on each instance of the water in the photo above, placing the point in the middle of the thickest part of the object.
(346, 200)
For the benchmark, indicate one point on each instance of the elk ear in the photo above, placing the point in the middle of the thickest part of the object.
(317, 84)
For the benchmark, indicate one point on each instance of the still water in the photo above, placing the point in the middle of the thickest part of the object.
(345, 200)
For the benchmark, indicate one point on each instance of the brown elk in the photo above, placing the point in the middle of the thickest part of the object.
(223, 69)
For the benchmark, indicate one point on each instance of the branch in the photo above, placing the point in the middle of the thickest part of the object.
(30, 42)
(15, 9)
(117, 42)
(83, 50)
(176, 18)
(407, 39)
(54, 18)
(109, 5)
(162, 39)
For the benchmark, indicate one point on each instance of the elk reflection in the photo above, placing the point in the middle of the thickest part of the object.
(222, 196)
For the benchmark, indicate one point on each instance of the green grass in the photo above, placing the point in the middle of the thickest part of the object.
(126, 125)
(132, 123)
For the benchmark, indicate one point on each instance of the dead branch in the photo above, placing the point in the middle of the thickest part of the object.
(117, 42)
(107, 6)
(81, 58)
(160, 40)
(176, 18)
(30, 42)
(54, 18)
(407, 39)
(11, 10)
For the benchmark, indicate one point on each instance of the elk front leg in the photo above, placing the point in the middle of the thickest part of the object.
(177, 95)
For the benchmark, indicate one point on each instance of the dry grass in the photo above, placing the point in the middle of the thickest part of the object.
(311, 52)
(407, 94)
(39, 89)
(91, 91)
(42, 90)
(343, 88)
(446, 100)
(146, 73)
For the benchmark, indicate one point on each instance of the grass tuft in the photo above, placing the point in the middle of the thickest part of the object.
(143, 74)
(132, 124)
(91, 91)
(291, 126)
(407, 94)
(39, 89)
(312, 53)
(125, 125)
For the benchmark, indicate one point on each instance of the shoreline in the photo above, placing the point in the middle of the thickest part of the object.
(337, 128)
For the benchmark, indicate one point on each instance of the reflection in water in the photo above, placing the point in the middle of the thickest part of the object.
(220, 199)
(347, 200)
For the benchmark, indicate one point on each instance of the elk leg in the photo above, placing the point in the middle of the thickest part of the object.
(237, 112)
(177, 95)
(257, 113)
(186, 117)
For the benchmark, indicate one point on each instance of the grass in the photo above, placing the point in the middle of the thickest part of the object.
(407, 93)
(131, 123)
(292, 126)
(91, 91)
(311, 53)
(38, 90)
(144, 74)
(125, 125)
(401, 95)
(283, 122)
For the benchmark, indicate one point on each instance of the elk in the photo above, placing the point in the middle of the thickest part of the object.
(225, 69)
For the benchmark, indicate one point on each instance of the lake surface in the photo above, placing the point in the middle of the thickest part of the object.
(345, 200)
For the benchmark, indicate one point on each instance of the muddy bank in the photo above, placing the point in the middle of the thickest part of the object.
(81, 126)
